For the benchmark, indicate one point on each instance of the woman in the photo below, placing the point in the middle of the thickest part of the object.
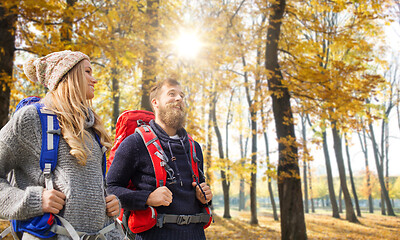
(78, 193)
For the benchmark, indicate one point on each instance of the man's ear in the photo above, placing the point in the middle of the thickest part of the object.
(154, 102)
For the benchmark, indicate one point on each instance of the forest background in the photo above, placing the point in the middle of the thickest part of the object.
(295, 103)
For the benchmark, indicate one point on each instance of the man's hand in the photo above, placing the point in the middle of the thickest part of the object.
(112, 205)
(162, 196)
(52, 201)
(199, 193)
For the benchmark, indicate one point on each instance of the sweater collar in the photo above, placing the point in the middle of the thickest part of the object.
(89, 121)
(163, 135)
(175, 142)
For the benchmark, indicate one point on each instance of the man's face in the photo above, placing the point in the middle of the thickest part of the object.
(171, 107)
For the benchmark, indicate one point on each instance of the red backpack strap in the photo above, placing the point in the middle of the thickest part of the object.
(193, 157)
(156, 153)
(195, 168)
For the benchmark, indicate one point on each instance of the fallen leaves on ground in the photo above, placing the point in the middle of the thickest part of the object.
(319, 226)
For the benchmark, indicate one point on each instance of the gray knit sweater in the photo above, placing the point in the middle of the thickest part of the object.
(21, 198)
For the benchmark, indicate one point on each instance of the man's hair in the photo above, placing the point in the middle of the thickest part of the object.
(155, 91)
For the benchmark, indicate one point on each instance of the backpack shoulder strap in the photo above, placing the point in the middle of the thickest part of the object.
(103, 150)
(193, 157)
(157, 155)
(51, 133)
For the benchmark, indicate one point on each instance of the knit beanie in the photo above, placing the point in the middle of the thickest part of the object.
(50, 69)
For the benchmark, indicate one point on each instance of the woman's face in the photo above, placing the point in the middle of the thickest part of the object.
(91, 81)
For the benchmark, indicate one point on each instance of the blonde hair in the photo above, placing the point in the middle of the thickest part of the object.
(68, 101)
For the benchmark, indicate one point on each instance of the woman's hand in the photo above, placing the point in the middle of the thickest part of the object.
(112, 206)
(52, 201)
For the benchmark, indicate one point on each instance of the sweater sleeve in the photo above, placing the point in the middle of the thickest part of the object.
(126, 167)
(20, 195)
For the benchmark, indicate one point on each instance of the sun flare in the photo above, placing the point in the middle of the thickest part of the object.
(188, 45)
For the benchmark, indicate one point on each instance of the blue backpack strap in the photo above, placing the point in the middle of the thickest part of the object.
(51, 133)
(103, 150)
(40, 226)
(27, 101)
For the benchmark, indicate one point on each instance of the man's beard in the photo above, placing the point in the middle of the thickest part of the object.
(173, 117)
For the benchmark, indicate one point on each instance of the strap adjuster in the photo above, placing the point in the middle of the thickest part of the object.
(88, 236)
(47, 169)
(54, 131)
(183, 219)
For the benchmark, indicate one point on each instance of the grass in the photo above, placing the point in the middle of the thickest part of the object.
(319, 226)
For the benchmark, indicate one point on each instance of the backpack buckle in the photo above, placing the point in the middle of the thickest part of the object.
(47, 176)
(140, 122)
(160, 220)
(183, 219)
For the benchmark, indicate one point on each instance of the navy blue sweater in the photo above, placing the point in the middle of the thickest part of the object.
(132, 162)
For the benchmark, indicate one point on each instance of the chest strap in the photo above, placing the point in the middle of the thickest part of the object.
(182, 219)
(7, 231)
(68, 230)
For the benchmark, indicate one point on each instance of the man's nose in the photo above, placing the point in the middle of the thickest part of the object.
(178, 98)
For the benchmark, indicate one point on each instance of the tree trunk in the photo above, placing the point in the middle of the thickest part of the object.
(253, 116)
(380, 174)
(353, 186)
(332, 196)
(269, 179)
(150, 54)
(304, 137)
(383, 209)
(225, 183)
(241, 195)
(208, 159)
(289, 183)
(67, 25)
(310, 189)
(305, 187)
(382, 157)
(243, 154)
(115, 96)
(253, 175)
(364, 147)
(385, 158)
(7, 41)
(340, 201)
(337, 144)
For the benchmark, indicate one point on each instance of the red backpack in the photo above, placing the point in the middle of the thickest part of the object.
(127, 123)
(132, 121)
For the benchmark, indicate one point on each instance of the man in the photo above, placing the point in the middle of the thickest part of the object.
(180, 195)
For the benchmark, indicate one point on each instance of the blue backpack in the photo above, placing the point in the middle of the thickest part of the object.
(42, 226)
